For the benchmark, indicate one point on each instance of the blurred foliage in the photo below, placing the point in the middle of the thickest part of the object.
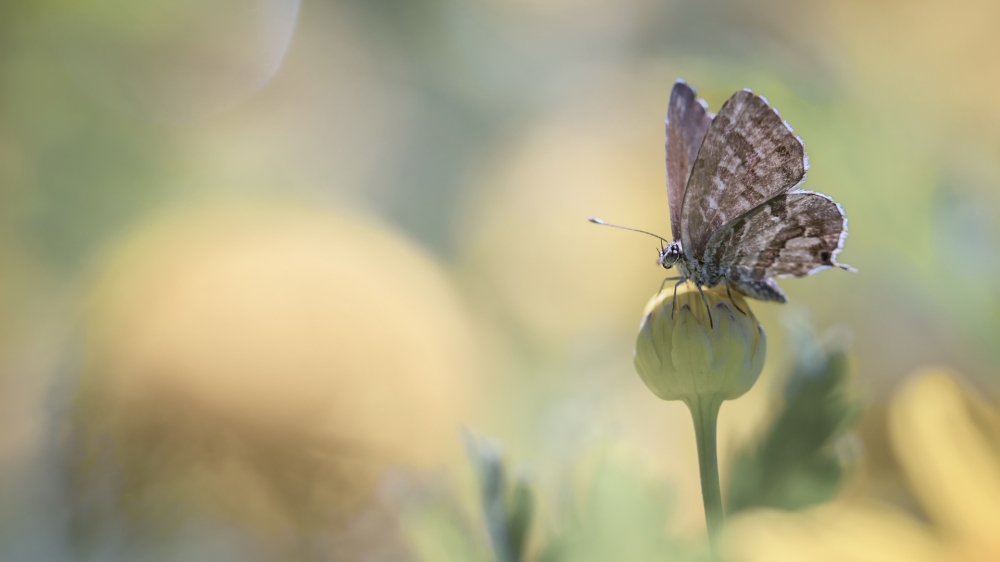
(615, 513)
(507, 510)
(794, 463)
(946, 443)
(620, 515)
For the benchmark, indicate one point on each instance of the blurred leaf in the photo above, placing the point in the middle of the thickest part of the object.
(436, 534)
(794, 463)
(622, 516)
(508, 513)
(521, 511)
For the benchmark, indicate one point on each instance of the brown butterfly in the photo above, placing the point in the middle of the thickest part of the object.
(736, 214)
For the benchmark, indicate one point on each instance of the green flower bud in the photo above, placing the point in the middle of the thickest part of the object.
(682, 355)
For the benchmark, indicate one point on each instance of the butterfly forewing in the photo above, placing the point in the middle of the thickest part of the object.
(791, 235)
(687, 123)
(748, 156)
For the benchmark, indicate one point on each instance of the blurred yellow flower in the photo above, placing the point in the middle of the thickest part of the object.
(267, 364)
(946, 441)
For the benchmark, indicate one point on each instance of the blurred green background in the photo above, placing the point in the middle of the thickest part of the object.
(261, 259)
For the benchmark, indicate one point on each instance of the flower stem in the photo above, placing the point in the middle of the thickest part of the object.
(705, 414)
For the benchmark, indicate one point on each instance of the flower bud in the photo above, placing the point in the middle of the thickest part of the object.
(683, 355)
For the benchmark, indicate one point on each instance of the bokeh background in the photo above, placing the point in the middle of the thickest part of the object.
(260, 260)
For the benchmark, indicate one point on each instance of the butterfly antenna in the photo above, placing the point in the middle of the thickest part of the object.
(599, 221)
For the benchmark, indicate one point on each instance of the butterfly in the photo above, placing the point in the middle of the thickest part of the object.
(736, 213)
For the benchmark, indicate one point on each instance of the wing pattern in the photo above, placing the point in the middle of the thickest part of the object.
(748, 156)
(792, 235)
(687, 122)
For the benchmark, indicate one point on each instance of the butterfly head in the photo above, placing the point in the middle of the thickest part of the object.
(670, 255)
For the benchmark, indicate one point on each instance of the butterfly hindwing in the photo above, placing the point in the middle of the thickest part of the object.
(748, 156)
(687, 122)
(791, 235)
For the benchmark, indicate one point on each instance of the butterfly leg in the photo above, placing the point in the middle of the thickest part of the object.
(673, 306)
(731, 299)
(704, 299)
(664, 284)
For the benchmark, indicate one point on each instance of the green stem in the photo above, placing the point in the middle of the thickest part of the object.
(705, 413)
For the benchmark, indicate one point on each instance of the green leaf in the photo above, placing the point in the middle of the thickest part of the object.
(520, 511)
(794, 463)
(507, 512)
